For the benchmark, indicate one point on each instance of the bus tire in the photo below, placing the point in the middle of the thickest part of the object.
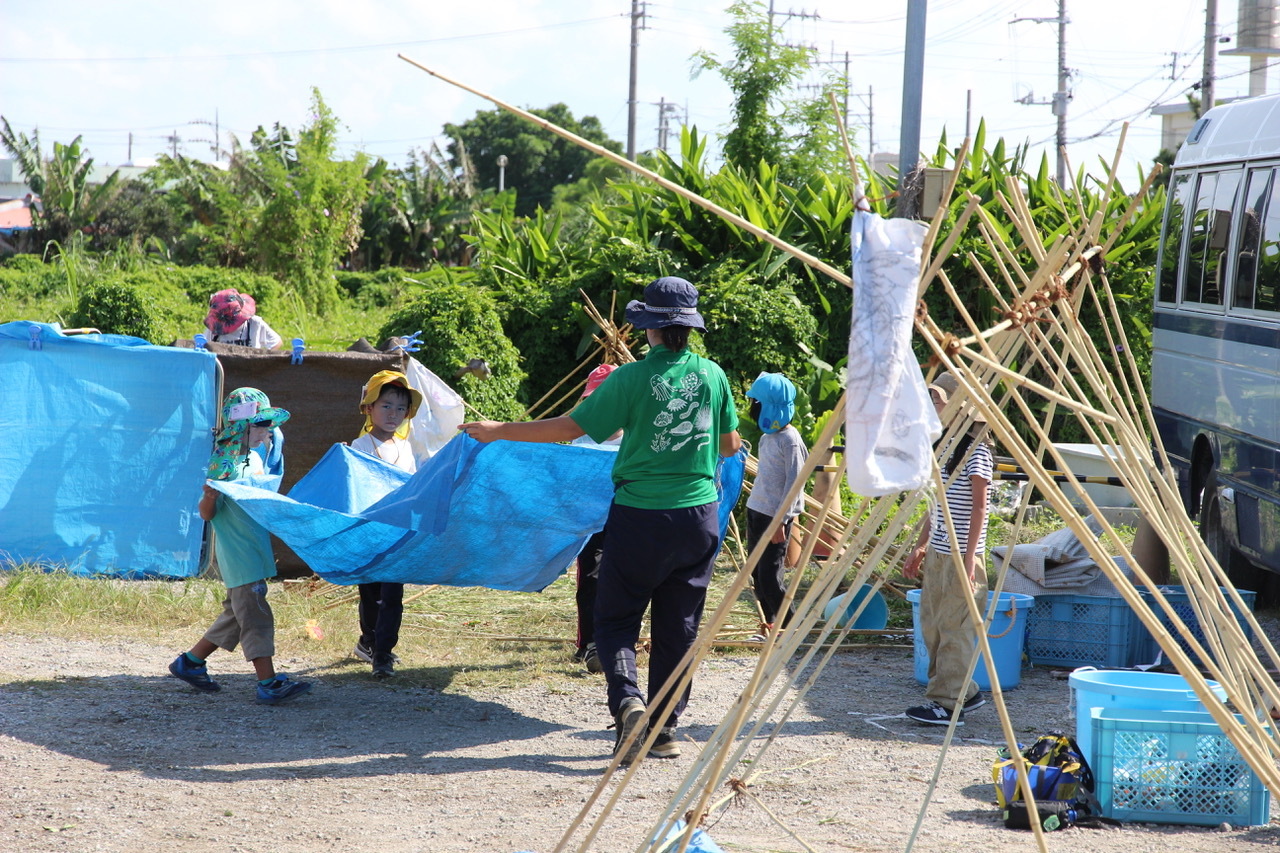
(1211, 529)
(1241, 571)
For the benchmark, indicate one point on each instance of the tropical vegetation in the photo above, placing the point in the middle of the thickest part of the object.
(335, 249)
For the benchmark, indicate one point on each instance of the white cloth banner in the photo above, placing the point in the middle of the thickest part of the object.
(439, 416)
(890, 422)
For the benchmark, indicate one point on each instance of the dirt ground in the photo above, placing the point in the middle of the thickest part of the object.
(100, 750)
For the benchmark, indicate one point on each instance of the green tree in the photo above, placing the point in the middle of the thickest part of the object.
(537, 160)
(770, 124)
(311, 220)
(419, 214)
(69, 203)
(285, 206)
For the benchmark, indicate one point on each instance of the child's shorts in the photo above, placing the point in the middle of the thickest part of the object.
(246, 619)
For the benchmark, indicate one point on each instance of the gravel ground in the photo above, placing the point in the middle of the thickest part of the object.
(101, 751)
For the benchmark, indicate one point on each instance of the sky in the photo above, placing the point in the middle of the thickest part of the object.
(160, 70)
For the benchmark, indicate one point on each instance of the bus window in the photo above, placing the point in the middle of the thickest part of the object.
(1210, 227)
(1170, 259)
(1255, 200)
(1267, 297)
(1203, 206)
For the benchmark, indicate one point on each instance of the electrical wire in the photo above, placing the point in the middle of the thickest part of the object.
(311, 51)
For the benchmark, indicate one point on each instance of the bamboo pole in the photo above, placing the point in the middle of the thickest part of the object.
(1058, 342)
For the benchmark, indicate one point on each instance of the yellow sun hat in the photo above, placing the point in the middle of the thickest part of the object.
(373, 389)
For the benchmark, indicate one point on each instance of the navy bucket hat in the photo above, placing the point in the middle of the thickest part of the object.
(669, 301)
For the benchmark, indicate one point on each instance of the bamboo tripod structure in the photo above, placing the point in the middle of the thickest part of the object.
(1040, 354)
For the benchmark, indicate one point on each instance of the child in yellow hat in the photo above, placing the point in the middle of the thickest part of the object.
(388, 403)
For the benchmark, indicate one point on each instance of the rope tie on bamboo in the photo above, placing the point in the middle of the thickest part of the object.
(951, 344)
(1096, 261)
(922, 311)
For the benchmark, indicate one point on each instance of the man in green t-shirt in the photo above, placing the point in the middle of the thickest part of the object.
(662, 533)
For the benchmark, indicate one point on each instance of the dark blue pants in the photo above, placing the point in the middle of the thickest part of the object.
(588, 581)
(381, 610)
(770, 574)
(662, 560)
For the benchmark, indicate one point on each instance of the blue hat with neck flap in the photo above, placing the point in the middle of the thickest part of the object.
(777, 398)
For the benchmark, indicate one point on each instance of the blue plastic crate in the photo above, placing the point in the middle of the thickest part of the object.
(1173, 767)
(1081, 630)
(1145, 646)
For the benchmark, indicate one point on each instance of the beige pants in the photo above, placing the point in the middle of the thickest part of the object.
(947, 629)
(245, 618)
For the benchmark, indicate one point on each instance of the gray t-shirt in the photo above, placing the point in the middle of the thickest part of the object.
(781, 455)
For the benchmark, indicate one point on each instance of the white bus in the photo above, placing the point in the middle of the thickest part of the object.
(1215, 369)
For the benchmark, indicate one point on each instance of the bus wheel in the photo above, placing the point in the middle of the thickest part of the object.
(1211, 531)
(1241, 571)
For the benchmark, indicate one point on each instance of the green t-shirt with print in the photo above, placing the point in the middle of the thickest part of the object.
(672, 407)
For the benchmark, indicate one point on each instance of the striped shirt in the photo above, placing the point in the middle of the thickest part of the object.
(959, 498)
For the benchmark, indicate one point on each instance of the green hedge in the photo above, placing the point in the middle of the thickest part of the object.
(458, 323)
(156, 301)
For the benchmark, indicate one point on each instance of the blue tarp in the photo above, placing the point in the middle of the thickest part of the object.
(105, 439)
(505, 515)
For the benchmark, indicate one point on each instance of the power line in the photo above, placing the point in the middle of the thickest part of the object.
(312, 51)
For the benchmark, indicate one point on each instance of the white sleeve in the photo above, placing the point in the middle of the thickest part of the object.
(263, 336)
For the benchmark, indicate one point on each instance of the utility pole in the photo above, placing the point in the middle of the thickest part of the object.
(871, 121)
(801, 14)
(1210, 54)
(912, 96)
(637, 24)
(1061, 97)
(665, 110)
(833, 61)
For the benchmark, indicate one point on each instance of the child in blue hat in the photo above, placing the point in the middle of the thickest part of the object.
(781, 455)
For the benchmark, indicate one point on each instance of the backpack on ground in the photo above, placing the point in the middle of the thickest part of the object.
(1060, 779)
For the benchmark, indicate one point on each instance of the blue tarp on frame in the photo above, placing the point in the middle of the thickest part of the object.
(104, 441)
(506, 515)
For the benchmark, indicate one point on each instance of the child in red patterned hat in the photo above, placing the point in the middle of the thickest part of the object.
(232, 319)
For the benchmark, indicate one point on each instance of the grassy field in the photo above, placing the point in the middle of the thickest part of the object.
(460, 637)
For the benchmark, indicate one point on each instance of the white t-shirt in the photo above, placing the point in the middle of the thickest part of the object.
(254, 332)
(394, 451)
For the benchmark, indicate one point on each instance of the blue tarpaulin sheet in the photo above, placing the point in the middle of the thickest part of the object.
(506, 515)
(105, 443)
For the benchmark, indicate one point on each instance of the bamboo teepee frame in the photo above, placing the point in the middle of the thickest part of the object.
(1048, 306)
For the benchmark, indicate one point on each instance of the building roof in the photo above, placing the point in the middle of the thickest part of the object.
(15, 214)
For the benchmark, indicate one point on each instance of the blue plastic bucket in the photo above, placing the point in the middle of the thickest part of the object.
(1005, 636)
(874, 617)
(1158, 691)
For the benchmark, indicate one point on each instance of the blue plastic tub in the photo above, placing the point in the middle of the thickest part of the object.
(1153, 691)
(1005, 636)
(874, 617)
(1173, 767)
